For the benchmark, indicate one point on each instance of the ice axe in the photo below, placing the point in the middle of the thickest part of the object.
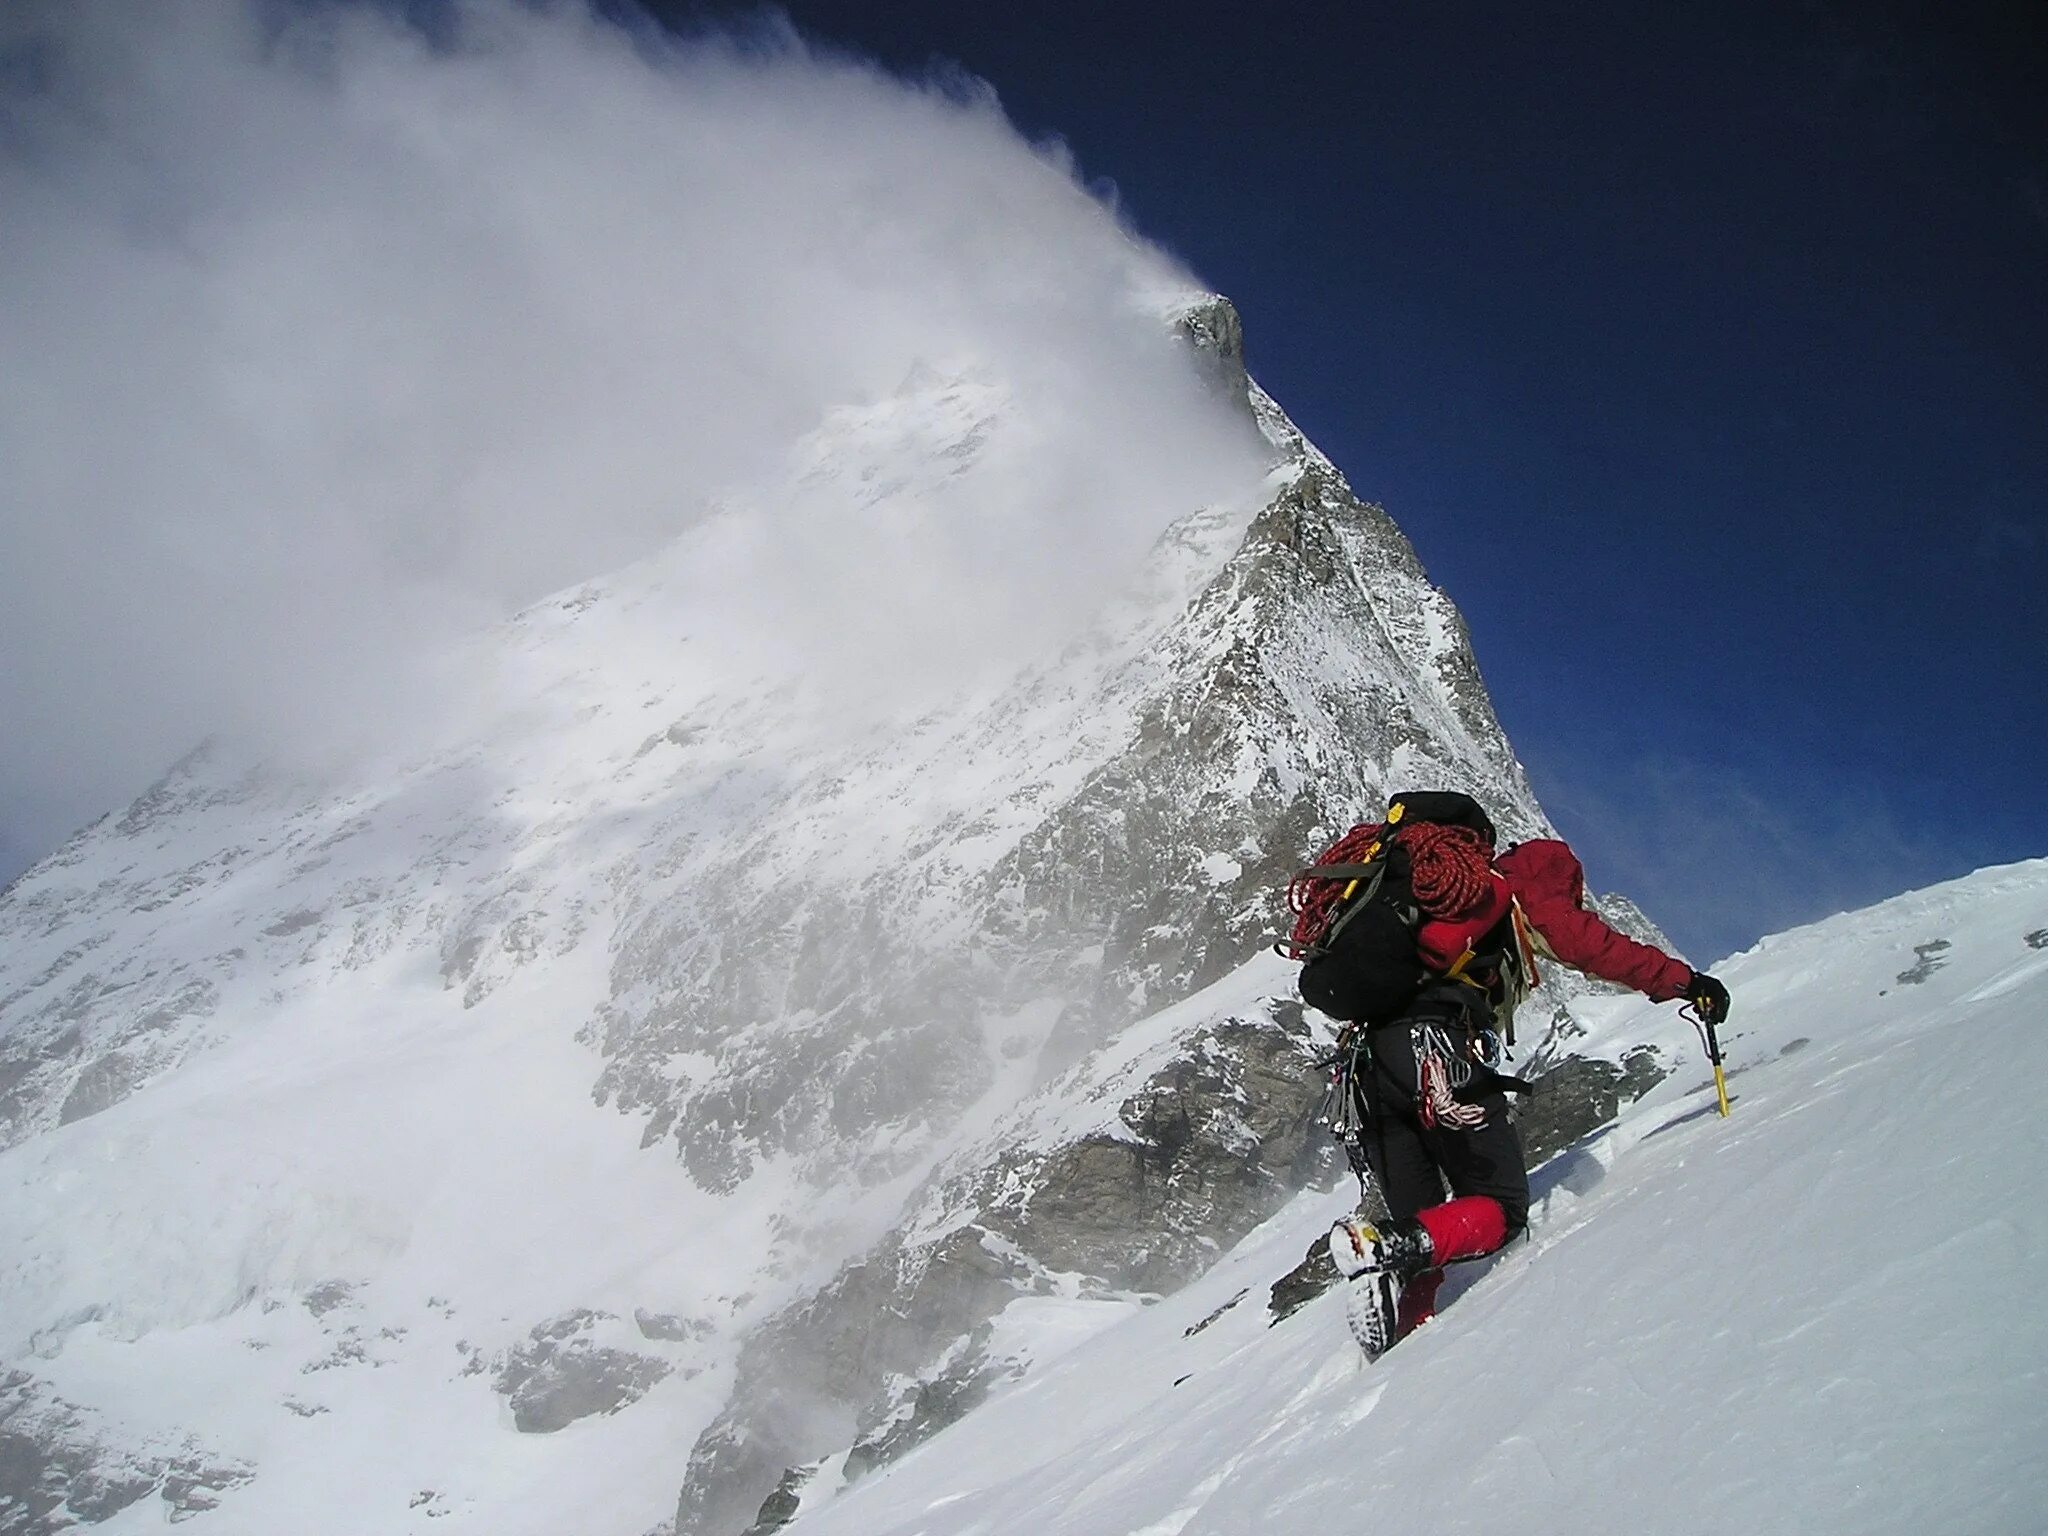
(1712, 1042)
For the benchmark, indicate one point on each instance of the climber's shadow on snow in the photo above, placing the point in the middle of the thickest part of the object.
(1709, 1108)
(1576, 1170)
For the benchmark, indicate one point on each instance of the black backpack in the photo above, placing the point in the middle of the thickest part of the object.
(1361, 962)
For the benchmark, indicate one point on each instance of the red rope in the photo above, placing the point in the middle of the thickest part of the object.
(1312, 898)
(1448, 873)
(1448, 868)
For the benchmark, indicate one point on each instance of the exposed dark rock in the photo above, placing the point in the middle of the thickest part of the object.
(97, 1495)
(669, 1328)
(191, 999)
(887, 1316)
(34, 1063)
(1194, 1328)
(60, 1467)
(128, 1014)
(559, 1375)
(1581, 1094)
(2038, 939)
(736, 1468)
(921, 1407)
(328, 1295)
(930, 1405)
(103, 1084)
(350, 1348)
(1218, 334)
(1926, 961)
(192, 1486)
(1216, 1142)
(780, 1507)
(35, 1480)
(1212, 1143)
(1315, 1274)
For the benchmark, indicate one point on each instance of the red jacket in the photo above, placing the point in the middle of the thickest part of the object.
(1546, 878)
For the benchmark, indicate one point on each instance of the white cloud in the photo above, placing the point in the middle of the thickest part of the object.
(325, 344)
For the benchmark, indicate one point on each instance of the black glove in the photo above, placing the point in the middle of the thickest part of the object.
(1708, 997)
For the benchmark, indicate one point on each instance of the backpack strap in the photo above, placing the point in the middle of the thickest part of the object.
(1372, 875)
(1369, 871)
(1528, 942)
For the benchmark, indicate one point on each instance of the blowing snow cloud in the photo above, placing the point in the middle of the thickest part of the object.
(329, 342)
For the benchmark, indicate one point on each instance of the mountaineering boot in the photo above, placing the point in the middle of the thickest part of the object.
(1400, 1248)
(1378, 1260)
(1372, 1311)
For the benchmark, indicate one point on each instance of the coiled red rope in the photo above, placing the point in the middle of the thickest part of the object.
(1313, 898)
(1449, 869)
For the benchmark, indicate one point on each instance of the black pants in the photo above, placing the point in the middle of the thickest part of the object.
(1414, 1162)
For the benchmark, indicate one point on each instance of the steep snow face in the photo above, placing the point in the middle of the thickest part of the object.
(1817, 1314)
(307, 1211)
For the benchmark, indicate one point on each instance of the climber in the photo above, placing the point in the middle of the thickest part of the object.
(1430, 1103)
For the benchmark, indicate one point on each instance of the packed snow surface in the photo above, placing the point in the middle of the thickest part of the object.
(1819, 1314)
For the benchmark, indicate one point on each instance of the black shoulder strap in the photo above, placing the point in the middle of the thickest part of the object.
(1372, 874)
(1372, 871)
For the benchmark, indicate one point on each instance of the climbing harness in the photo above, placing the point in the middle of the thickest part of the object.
(1441, 1069)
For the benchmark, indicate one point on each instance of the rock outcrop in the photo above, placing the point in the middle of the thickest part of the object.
(63, 1466)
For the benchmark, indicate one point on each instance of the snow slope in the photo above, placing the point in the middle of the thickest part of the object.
(1817, 1315)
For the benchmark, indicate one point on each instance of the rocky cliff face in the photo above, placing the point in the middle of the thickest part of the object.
(1315, 673)
(930, 1012)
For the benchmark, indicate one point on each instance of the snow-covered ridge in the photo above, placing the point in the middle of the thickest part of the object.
(1814, 1315)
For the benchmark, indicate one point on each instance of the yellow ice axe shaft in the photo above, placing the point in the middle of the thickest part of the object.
(1714, 1058)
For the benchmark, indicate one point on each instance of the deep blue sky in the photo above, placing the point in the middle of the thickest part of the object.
(1700, 350)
